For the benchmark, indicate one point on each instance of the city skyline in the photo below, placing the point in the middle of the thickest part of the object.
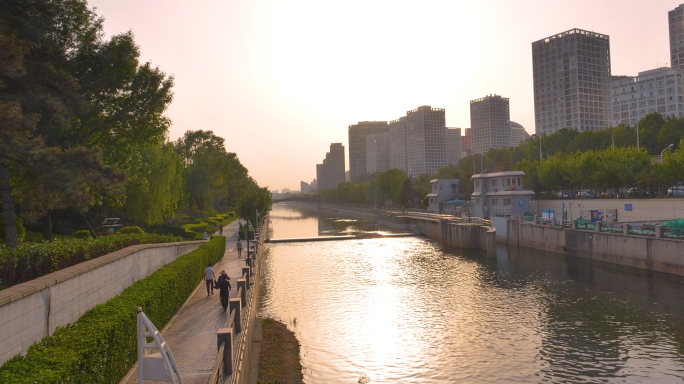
(266, 84)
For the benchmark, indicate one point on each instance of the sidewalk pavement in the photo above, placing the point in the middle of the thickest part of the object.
(191, 333)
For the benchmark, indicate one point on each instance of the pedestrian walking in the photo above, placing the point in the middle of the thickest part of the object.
(209, 278)
(205, 235)
(224, 289)
(221, 229)
(239, 248)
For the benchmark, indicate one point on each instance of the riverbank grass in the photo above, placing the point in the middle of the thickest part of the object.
(279, 360)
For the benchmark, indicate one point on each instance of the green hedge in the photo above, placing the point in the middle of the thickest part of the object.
(83, 234)
(101, 346)
(30, 261)
(182, 232)
(197, 228)
(129, 230)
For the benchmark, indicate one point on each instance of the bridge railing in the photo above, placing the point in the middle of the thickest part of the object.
(232, 340)
(451, 219)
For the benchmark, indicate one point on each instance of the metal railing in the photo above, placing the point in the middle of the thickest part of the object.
(238, 326)
(451, 219)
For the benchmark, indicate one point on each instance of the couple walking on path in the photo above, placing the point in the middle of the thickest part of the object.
(222, 284)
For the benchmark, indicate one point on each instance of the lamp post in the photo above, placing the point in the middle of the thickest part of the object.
(493, 162)
(663, 151)
(249, 229)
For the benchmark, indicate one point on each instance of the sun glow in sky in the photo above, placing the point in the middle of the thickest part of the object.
(281, 80)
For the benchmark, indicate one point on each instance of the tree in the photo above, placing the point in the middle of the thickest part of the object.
(74, 178)
(16, 147)
(252, 200)
(155, 195)
(406, 195)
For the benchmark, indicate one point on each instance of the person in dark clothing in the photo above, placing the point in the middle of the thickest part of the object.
(224, 288)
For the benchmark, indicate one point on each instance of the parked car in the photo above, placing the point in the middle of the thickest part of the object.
(612, 195)
(563, 195)
(638, 192)
(585, 194)
(676, 191)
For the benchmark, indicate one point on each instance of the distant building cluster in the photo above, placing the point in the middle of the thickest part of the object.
(331, 171)
(573, 88)
(311, 187)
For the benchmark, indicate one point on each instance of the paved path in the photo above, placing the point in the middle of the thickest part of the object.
(191, 333)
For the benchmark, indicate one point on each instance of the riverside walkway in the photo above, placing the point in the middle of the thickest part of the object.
(191, 333)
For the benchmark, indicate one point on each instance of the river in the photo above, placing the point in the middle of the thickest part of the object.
(409, 310)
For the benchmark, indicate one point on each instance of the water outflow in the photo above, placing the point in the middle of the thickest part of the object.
(407, 310)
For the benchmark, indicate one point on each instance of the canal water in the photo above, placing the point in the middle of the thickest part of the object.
(409, 310)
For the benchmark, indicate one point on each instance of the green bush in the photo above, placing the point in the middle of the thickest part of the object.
(129, 230)
(30, 261)
(84, 234)
(21, 230)
(197, 228)
(182, 232)
(212, 222)
(101, 346)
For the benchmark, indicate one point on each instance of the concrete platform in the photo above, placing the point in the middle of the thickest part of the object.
(343, 237)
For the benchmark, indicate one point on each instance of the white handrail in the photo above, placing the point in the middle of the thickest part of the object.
(154, 372)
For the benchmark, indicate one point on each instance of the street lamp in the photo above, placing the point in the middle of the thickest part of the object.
(489, 158)
(661, 153)
(249, 229)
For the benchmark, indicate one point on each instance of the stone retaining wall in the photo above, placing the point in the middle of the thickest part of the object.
(34, 309)
(650, 253)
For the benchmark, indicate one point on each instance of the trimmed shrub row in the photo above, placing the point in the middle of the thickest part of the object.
(30, 261)
(101, 346)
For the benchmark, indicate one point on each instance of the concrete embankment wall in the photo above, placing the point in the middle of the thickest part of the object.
(32, 310)
(639, 209)
(654, 254)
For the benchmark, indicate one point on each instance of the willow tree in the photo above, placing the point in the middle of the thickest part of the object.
(155, 194)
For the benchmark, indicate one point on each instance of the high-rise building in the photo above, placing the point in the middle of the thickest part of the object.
(676, 21)
(398, 152)
(357, 145)
(377, 152)
(490, 123)
(658, 90)
(467, 143)
(518, 134)
(425, 140)
(331, 172)
(308, 187)
(454, 145)
(571, 73)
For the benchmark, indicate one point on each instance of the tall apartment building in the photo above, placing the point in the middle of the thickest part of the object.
(331, 172)
(658, 90)
(398, 151)
(357, 145)
(377, 152)
(308, 187)
(518, 134)
(571, 73)
(466, 143)
(425, 140)
(454, 145)
(676, 22)
(490, 123)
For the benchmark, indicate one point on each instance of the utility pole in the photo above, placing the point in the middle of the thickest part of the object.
(637, 127)
(540, 152)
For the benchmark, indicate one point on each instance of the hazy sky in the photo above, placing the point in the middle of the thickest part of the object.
(281, 80)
